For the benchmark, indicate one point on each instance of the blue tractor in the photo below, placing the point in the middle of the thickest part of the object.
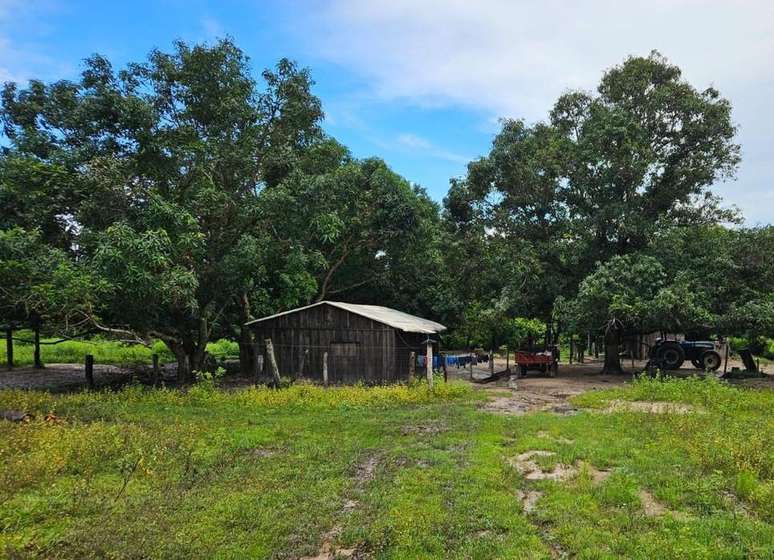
(670, 354)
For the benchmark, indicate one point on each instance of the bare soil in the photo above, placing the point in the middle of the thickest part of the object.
(61, 378)
(528, 467)
(539, 392)
(536, 391)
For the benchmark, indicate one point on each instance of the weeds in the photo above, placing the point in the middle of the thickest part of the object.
(262, 473)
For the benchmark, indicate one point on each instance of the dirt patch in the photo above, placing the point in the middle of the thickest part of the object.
(65, 377)
(650, 505)
(519, 403)
(653, 508)
(651, 407)
(366, 470)
(598, 476)
(528, 499)
(547, 394)
(328, 551)
(262, 452)
(525, 464)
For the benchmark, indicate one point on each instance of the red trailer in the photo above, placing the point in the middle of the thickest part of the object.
(540, 361)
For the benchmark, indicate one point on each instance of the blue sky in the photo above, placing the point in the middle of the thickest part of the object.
(422, 83)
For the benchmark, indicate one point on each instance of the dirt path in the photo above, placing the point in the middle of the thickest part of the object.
(59, 378)
(538, 392)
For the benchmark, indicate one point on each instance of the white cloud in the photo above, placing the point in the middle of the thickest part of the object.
(418, 144)
(513, 58)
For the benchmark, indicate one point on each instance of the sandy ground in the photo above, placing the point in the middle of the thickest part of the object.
(539, 391)
(68, 377)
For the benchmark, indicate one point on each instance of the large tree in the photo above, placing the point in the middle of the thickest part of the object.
(602, 177)
(169, 158)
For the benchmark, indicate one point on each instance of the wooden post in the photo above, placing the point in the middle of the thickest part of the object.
(303, 360)
(325, 369)
(572, 348)
(90, 371)
(443, 365)
(412, 366)
(472, 356)
(429, 364)
(156, 371)
(491, 361)
(36, 359)
(9, 347)
(272, 362)
(507, 359)
(257, 363)
(725, 364)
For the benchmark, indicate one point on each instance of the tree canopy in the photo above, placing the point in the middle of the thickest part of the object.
(179, 197)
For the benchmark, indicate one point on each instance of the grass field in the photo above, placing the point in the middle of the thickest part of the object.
(391, 472)
(104, 351)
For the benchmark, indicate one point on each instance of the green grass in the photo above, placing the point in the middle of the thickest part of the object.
(104, 351)
(399, 472)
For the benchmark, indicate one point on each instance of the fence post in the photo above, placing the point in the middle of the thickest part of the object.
(725, 363)
(325, 369)
(471, 365)
(429, 364)
(36, 359)
(491, 362)
(303, 360)
(257, 363)
(156, 371)
(272, 362)
(412, 366)
(90, 370)
(443, 365)
(9, 347)
(507, 358)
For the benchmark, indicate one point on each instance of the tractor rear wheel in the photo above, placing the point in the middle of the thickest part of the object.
(672, 355)
(710, 360)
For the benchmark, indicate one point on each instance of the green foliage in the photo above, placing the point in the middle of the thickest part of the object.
(36, 277)
(105, 351)
(613, 173)
(165, 162)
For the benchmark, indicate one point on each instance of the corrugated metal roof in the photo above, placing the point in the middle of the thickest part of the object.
(385, 315)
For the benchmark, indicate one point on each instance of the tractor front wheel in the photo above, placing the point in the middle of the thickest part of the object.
(672, 355)
(710, 360)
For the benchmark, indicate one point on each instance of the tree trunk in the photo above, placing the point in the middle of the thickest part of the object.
(247, 354)
(612, 341)
(247, 357)
(189, 358)
(184, 371)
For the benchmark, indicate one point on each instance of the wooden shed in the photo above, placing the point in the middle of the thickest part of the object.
(367, 343)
